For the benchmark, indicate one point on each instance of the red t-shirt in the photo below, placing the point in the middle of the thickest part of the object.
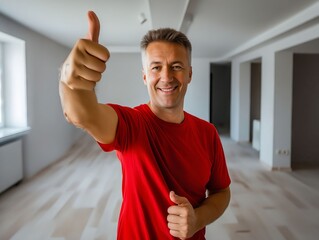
(158, 157)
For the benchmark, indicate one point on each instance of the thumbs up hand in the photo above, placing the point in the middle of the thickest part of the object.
(85, 64)
(181, 217)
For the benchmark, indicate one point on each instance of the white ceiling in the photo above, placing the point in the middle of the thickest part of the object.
(217, 28)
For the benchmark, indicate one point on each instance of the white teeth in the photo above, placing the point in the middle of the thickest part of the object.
(167, 89)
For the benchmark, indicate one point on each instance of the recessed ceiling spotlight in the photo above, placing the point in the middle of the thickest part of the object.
(142, 19)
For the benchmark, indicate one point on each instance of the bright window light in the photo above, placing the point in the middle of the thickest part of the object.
(13, 94)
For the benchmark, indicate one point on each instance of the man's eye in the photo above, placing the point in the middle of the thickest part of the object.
(176, 67)
(155, 68)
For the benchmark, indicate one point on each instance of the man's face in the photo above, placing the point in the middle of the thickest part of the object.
(166, 73)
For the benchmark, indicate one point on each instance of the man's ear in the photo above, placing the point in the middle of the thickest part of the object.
(144, 76)
(190, 74)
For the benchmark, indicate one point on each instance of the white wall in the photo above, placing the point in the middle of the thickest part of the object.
(275, 96)
(267, 108)
(50, 135)
(283, 110)
(122, 82)
(197, 97)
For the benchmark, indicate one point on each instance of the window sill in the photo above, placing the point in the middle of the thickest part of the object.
(8, 134)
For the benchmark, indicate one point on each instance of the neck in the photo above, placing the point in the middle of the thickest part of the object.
(171, 115)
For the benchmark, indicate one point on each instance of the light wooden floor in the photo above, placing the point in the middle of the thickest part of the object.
(79, 198)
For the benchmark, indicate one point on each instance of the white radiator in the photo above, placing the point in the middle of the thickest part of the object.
(256, 134)
(11, 166)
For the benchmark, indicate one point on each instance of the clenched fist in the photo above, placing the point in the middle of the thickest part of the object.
(181, 217)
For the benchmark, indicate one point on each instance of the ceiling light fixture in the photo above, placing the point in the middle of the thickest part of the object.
(142, 19)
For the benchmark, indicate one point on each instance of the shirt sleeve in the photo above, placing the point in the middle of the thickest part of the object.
(125, 131)
(219, 173)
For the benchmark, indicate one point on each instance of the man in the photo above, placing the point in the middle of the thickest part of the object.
(175, 179)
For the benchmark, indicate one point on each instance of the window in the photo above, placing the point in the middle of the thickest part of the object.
(13, 95)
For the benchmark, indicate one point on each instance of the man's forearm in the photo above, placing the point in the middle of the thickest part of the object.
(212, 208)
(78, 105)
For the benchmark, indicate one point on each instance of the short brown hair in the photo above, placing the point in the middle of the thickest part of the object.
(168, 35)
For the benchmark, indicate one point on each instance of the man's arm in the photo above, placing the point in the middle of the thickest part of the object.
(184, 221)
(212, 208)
(80, 72)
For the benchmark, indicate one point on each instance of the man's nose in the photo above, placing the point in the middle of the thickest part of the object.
(167, 74)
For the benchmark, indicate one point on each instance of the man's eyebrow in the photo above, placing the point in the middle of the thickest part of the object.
(177, 62)
(172, 63)
(155, 63)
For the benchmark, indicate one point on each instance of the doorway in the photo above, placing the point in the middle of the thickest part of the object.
(255, 103)
(305, 111)
(220, 80)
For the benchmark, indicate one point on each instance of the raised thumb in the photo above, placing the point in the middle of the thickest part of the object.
(94, 27)
(177, 199)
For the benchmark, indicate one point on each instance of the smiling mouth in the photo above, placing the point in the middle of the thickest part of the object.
(167, 90)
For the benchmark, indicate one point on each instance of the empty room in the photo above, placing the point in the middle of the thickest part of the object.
(82, 83)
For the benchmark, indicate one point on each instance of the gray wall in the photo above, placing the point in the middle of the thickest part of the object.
(122, 82)
(50, 136)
